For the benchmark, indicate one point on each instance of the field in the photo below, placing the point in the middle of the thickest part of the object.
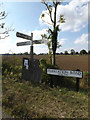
(26, 100)
(66, 62)
(69, 62)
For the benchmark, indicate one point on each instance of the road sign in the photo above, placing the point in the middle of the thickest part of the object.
(26, 63)
(23, 43)
(21, 35)
(38, 42)
(68, 73)
(29, 42)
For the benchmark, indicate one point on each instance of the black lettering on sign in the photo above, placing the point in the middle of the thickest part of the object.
(79, 73)
(68, 73)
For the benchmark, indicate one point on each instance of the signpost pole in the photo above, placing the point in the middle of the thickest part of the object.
(51, 81)
(31, 56)
(77, 82)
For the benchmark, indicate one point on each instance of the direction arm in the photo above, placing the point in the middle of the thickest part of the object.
(21, 35)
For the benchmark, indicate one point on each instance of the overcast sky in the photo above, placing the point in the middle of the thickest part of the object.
(25, 18)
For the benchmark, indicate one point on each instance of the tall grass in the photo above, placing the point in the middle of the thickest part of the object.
(34, 100)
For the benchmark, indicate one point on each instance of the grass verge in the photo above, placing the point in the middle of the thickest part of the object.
(30, 100)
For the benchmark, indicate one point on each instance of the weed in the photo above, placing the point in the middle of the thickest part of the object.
(27, 100)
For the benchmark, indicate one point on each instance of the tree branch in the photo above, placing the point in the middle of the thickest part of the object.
(47, 22)
(3, 17)
(7, 30)
(4, 37)
(49, 11)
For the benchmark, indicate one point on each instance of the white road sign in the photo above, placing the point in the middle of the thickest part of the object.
(68, 73)
(26, 63)
(23, 43)
(21, 35)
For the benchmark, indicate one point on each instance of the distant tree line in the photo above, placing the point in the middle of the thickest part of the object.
(72, 52)
(25, 53)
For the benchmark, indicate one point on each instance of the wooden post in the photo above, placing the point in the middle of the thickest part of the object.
(77, 82)
(51, 81)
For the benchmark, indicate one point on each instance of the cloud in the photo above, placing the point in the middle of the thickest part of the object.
(82, 40)
(75, 13)
(62, 41)
(38, 48)
(5, 45)
(37, 33)
(41, 48)
(8, 45)
(20, 0)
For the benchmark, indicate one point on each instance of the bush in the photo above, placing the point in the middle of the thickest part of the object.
(44, 66)
(53, 80)
(6, 67)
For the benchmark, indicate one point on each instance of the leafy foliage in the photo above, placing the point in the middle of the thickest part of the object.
(66, 52)
(53, 33)
(83, 52)
(89, 52)
(72, 52)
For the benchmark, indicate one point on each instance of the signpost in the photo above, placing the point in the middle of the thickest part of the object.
(38, 42)
(26, 63)
(31, 70)
(69, 73)
(21, 35)
(30, 42)
(23, 43)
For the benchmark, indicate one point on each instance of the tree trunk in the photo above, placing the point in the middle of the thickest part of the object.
(53, 59)
(53, 56)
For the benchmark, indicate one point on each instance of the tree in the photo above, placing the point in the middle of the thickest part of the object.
(66, 52)
(53, 33)
(4, 32)
(89, 52)
(26, 53)
(83, 52)
(61, 53)
(72, 52)
(77, 53)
